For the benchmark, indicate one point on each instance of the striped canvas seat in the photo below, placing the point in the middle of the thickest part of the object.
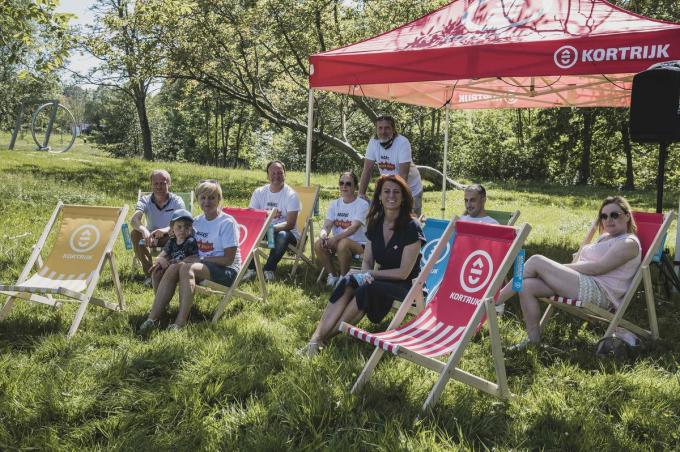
(72, 269)
(253, 225)
(652, 228)
(481, 256)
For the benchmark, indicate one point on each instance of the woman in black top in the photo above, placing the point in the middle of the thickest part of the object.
(394, 243)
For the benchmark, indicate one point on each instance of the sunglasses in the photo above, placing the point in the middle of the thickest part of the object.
(613, 216)
(345, 183)
(212, 181)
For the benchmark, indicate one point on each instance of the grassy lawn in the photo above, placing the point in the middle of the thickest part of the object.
(240, 385)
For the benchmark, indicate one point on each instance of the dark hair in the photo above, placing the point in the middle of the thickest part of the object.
(624, 206)
(283, 165)
(477, 188)
(352, 175)
(376, 213)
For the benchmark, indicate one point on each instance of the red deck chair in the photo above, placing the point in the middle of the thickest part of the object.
(253, 224)
(482, 255)
(652, 228)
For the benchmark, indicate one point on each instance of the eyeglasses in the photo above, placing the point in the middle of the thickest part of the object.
(613, 216)
(345, 183)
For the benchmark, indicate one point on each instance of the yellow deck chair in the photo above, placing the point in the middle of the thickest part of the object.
(308, 199)
(72, 269)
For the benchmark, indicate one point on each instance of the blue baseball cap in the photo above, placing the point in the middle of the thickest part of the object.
(181, 214)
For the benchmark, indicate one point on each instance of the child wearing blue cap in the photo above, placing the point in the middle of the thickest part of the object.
(182, 244)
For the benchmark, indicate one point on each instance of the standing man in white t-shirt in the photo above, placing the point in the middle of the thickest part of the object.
(475, 199)
(392, 153)
(282, 199)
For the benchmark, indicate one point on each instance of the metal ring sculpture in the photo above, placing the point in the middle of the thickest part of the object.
(53, 114)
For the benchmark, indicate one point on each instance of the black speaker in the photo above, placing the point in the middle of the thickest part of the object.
(655, 104)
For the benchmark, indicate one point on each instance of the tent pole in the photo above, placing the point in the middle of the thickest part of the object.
(446, 161)
(310, 134)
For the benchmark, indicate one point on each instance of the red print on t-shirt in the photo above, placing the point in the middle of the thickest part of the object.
(386, 166)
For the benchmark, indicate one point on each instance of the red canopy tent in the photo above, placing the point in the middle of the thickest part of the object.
(501, 54)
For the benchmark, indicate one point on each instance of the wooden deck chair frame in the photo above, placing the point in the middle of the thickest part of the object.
(590, 312)
(47, 295)
(187, 197)
(305, 224)
(449, 370)
(509, 217)
(226, 292)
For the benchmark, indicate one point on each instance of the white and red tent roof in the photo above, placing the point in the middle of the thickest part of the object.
(521, 53)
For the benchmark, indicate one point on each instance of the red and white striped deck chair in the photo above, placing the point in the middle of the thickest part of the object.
(482, 255)
(652, 228)
(253, 224)
(71, 271)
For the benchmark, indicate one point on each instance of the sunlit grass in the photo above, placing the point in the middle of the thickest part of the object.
(239, 384)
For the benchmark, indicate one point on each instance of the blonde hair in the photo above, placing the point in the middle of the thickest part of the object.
(209, 187)
(624, 206)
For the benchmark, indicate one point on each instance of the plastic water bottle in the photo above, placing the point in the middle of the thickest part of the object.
(126, 237)
(270, 237)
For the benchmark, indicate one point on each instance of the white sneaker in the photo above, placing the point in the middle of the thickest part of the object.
(250, 274)
(332, 280)
(500, 309)
(269, 276)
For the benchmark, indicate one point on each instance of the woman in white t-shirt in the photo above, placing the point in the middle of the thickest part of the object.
(601, 275)
(344, 230)
(218, 259)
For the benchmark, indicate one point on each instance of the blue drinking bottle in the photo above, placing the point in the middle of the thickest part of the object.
(270, 237)
(126, 237)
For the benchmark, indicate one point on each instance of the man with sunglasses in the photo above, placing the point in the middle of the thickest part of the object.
(282, 199)
(158, 208)
(392, 153)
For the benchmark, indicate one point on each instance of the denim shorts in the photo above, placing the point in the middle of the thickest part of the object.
(221, 274)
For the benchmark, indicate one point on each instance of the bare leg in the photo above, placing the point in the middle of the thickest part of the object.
(543, 278)
(324, 257)
(352, 315)
(346, 249)
(331, 315)
(141, 251)
(165, 291)
(156, 277)
(189, 273)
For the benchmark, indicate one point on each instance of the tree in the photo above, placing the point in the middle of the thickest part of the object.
(123, 40)
(33, 44)
(249, 52)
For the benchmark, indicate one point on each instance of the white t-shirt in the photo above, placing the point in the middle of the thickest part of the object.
(213, 236)
(343, 214)
(486, 219)
(388, 160)
(285, 200)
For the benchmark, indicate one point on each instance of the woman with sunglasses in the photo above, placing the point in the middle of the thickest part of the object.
(601, 275)
(218, 259)
(394, 242)
(346, 219)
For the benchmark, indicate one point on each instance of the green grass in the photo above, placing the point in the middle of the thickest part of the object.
(240, 385)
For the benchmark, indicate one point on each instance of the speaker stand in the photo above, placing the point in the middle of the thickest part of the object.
(663, 155)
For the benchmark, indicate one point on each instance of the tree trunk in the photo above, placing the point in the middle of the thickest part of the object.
(140, 104)
(589, 115)
(628, 149)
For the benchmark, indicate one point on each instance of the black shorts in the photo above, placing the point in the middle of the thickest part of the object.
(221, 274)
